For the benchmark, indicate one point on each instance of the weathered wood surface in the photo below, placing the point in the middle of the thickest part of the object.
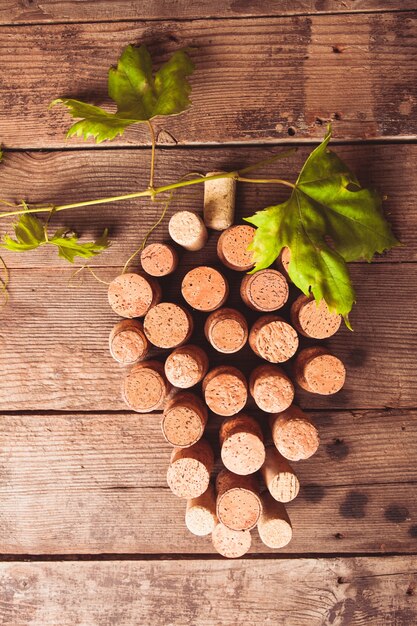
(54, 343)
(97, 484)
(305, 592)
(66, 177)
(29, 11)
(256, 80)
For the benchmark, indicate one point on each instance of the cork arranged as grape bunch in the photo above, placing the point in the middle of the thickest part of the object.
(259, 447)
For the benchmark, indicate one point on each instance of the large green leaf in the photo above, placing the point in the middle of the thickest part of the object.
(329, 219)
(139, 94)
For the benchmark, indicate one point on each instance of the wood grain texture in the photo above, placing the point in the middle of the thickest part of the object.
(340, 592)
(256, 80)
(66, 177)
(54, 343)
(97, 483)
(30, 11)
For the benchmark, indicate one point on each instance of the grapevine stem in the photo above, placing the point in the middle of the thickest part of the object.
(153, 142)
(266, 180)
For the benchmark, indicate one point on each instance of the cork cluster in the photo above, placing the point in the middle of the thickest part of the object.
(257, 479)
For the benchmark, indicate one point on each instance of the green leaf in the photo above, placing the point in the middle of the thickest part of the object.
(138, 93)
(328, 220)
(69, 247)
(29, 232)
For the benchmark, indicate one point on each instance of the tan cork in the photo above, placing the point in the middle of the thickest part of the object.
(205, 288)
(219, 202)
(188, 230)
(127, 342)
(231, 543)
(279, 476)
(238, 502)
(274, 525)
(242, 446)
(271, 388)
(184, 419)
(232, 247)
(168, 325)
(226, 330)
(265, 291)
(225, 390)
(132, 295)
(314, 320)
(186, 366)
(189, 471)
(294, 435)
(273, 339)
(283, 262)
(318, 371)
(159, 259)
(145, 387)
(200, 514)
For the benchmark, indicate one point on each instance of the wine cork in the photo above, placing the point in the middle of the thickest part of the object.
(205, 288)
(168, 325)
(242, 446)
(184, 420)
(294, 435)
(274, 525)
(265, 291)
(271, 388)
(132, 295)
(188, 230)
(186, 366)
(283, 262)
(231, 543)
(273, 339)
(238, 502)
(225, 390)
(226, 330)
(314, 320)
(127, 342)
(318, 371)
(219, 202)
(159, 259)
(145, 387)
(232, 247)
(200, 515)
(279, 476)
(189, 471)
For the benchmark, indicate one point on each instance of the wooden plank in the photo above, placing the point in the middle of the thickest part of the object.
(66, 177)
(54, 352)
(14, 12)
(96, 484)
(267, 79)
(302, 592)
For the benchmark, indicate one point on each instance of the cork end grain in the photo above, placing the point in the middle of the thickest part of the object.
(242, 446)
(127, 342)
(318, 371)
(232, 247)
(271, 388)
(132, 295)
(274, 525)
(279, 476)
(265, 291)
(159, 259)
(226, 330)
(145, 387)
(184, 420)
(189, 471)
(273, 339)
(231, 543)
(314, 320)
(238, 502)
(168, 325)
(294, 435)
(200, 515)
(186, 366)
(225, 390)
(204, 288)
(188, 230)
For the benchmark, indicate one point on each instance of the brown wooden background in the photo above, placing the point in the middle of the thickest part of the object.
(89, 533)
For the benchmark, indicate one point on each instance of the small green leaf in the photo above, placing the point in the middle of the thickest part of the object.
(328, 220)
(69, 246)
(29, 232)
(138, 94)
